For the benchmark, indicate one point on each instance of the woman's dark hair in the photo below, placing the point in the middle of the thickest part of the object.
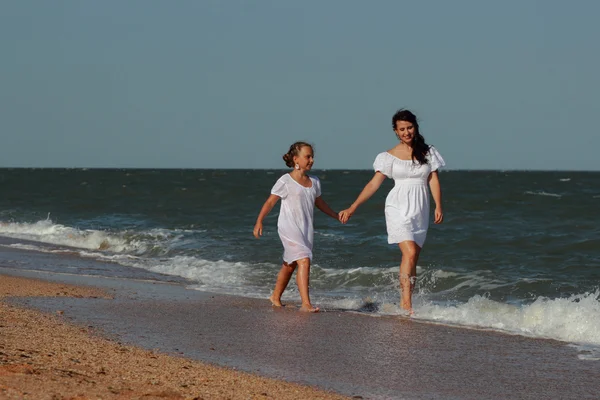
(419, 147)
(294, 151)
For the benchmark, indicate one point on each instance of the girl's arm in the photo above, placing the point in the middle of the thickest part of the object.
(367, 192)
(436, 193)
(321, 205)
(266, 208)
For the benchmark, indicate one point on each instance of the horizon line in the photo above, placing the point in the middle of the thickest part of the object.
(282, 169)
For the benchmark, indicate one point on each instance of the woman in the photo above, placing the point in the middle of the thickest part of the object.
(412, 164)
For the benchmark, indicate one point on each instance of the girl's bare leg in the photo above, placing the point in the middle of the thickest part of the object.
(283, 278)
(302, 279)
(408, 272)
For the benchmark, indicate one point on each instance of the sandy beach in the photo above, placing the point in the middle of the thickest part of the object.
(43, 356)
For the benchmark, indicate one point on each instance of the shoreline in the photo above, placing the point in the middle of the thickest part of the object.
(77, 362)
(341, 352)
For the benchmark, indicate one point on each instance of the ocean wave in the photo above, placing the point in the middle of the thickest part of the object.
(449, 284)
(574, 319)
(46, 231)
(220, 276)
(381, 283)
(156, 241)
(542, 193)
(333, 272)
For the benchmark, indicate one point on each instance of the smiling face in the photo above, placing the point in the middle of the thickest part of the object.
(405, 131)
(305, 158)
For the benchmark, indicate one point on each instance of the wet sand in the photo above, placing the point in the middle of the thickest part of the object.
(350, 353)
(44, 357)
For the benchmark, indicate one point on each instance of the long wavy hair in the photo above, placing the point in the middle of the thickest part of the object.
(419, 147)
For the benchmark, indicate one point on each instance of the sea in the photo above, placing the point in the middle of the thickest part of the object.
(518, 251)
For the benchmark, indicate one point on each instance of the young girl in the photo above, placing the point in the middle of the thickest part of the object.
(299, 193)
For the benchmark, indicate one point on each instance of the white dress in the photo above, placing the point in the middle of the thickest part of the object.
(295, 224)
(407, 204)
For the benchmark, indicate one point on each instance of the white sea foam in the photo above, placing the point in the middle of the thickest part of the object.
(332, 235)
(239, 278)
(440, 274)
(575, 319)
(542, 193)
(333, 272)
(118, 258)
(23, 246)
(124, 242)
(565, 179)
(587, 352)
(346, 303)
(202, 273)
(483, 280)
(47, 232)
(221, 276)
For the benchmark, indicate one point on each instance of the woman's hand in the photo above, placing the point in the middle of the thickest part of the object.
(258, 230)
(439, 215)
(344, 215)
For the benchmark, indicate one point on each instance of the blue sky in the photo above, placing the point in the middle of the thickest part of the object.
(231, 84)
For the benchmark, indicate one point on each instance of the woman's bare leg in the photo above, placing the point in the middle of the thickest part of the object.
(302, 279)
(408, 272)
(283, 278)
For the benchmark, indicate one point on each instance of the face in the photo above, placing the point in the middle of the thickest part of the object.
(305, 159)
(405, 131)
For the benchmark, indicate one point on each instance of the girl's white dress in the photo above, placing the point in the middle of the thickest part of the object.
(295, 224)
(407, 204)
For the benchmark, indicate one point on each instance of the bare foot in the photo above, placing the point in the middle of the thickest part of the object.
(275, 302)
(309, 308)
(408, 309)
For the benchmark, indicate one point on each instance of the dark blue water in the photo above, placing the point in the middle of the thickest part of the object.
(518, 251)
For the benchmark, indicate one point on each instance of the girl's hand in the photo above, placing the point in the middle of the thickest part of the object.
(344, 215)
(439, 215)
(258, 230)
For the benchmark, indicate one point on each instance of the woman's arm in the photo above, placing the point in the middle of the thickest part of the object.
(436, 193)
(368, 191)
(321, 205)
(266, 208)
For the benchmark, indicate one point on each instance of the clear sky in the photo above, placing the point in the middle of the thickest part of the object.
(508, 84)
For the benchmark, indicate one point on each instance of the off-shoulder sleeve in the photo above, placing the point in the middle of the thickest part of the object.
(280, 188)
(317, 183)
(383, 164)
(435, 159)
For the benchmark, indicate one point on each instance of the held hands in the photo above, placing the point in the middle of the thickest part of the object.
(344, 215)
(258, 228)
(438, 216)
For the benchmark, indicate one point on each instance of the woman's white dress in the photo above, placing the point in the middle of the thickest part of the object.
(407, 204)
(295, 224)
